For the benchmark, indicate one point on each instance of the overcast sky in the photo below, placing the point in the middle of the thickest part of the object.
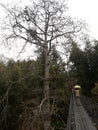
(86, 10)
(81, 9)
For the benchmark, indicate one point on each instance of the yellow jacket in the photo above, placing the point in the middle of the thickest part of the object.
(77, 93)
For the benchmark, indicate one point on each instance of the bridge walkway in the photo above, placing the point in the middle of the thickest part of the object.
(78, 118)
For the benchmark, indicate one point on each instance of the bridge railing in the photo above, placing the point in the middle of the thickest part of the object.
(71, 120)
(91, 107)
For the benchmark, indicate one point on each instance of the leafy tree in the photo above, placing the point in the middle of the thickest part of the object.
(95, 60)
(84, 65)
(95, 92)
(4, 79)
(26, 91)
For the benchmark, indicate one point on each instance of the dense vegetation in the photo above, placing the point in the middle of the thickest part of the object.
(84, 66)
(22, 84)
(21, 92)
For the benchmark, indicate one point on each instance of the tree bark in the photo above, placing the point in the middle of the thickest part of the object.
(47, 124)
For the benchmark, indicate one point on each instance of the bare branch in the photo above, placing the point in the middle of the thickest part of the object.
(41, 104)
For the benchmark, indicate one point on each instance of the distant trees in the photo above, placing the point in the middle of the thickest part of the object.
(21, 102)
(95, 92)
(85, 64)
(19, 90)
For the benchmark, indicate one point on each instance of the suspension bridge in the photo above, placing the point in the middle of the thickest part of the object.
(82, 116)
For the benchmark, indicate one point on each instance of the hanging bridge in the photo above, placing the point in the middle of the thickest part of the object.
(82, 116)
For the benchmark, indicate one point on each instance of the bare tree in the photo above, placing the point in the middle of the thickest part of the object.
(42, 23)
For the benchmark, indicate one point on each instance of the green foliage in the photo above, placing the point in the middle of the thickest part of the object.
(25, 85)
(59, 117)
(95, 92)
(4, 78)
(58, 93)
(27, 80)
(85, 65)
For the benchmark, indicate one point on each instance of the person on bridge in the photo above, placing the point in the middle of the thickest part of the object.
(77, 94)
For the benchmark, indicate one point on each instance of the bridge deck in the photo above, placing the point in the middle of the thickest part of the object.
(78, 118)
(82, 120)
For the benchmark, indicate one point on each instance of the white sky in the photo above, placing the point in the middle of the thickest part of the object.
(81, 9)
(86, 10)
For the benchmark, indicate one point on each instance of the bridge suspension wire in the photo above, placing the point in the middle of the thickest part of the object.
(91, 108)
(71, 121)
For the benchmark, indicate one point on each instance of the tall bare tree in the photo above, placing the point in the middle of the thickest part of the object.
(42, 23)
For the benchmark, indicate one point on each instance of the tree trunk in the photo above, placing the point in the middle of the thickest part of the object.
(46, 92)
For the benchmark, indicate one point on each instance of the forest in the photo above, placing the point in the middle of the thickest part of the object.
(21, 90)
(21, 86)
(35, 93)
